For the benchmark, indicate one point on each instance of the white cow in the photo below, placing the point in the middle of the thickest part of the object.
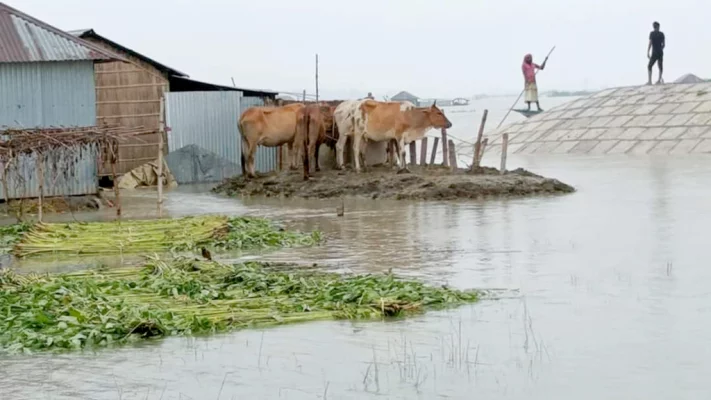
(345, 116)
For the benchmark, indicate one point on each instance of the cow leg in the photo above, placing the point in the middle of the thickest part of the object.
(316, 162)
(356, 151)
(395, 152)
(250, 160)
(295, 153)
(340, 147)
(401, 152)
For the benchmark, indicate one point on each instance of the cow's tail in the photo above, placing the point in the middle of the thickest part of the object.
(306, 122)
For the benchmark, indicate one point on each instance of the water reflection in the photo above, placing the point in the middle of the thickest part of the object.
(600, 313)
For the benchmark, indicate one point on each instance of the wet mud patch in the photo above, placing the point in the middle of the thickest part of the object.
(423, 183)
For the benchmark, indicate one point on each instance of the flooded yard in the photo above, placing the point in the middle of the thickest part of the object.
(603, 291)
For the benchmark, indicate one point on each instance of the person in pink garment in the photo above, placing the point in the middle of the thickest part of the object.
(529, 75)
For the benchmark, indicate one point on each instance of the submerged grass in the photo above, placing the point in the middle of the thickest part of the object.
(148, 236)
(98, 308)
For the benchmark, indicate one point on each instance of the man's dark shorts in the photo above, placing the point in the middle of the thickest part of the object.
(656, 57)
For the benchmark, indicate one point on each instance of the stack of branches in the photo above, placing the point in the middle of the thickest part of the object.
(59, 149)
(46, 140)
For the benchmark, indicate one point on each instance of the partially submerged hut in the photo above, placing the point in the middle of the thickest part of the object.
(47, 81)
(406, 96)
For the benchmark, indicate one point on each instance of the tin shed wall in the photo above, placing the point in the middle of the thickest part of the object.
(210, 120)
(47, 94)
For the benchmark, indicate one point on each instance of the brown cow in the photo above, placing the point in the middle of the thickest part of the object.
(315, 126)
(402, 121)
(270, 127)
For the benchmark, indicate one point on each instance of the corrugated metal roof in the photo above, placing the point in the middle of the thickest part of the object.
(27, 39)
(90, 33)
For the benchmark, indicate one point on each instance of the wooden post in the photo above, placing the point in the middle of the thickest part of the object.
(40, 179)
(445, 148)
(316, 77)
(434, 151)
(477, 146)
(161, 130)
(484, 143)
(423, 151)
(504, 149)
(452, 155)
(5, 189)
(114, 160)
(413, 153)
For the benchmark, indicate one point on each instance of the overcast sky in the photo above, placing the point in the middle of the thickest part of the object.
(431, 48)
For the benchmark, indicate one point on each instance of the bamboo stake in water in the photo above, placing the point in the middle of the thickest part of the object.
(504, 149)
(477, 147)
(160, 156)
(484, 143)
(413, 153)
(40, 178)
(434, 150)
(445, 148)
(452, 155)
(114, 157)
(423, 151)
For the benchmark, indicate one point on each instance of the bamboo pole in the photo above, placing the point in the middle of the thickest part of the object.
(445, 148)
(161, 129)
(434, 151)
(413, 153)
(483, 150)
(452, 155)
(40, 179)
(504, 149)
(477, 146)
(316, 77)
(117, 194)
(423, 151)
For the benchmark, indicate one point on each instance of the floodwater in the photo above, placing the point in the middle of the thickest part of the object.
(609, 298)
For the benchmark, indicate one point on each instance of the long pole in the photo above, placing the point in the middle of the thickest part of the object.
(521, 94)
(317, 77)
(161, 127)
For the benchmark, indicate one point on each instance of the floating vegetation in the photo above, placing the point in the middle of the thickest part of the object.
(103, 307)
(156, 235)
(11, 234)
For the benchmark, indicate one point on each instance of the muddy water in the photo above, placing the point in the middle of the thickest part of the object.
(612, 302)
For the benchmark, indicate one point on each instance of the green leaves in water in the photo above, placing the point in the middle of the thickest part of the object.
(11, 235)
(256, 233)
(149, 236)
(187, 297)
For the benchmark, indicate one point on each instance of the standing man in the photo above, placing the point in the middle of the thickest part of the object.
(657, 42)
(529, 76)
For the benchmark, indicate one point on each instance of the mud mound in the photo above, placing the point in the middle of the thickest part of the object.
(423, 183)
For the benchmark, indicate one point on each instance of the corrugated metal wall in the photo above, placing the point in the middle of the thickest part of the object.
(47, 94)
(210, 120)
(42, 95)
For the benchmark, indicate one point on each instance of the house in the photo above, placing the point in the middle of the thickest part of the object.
(47, 81)
(406, 96)
(129, 94)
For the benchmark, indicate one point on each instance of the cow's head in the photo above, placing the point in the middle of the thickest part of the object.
(437, 118)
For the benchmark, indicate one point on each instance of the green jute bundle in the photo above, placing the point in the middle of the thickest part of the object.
(154, 235)
(104, 307)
